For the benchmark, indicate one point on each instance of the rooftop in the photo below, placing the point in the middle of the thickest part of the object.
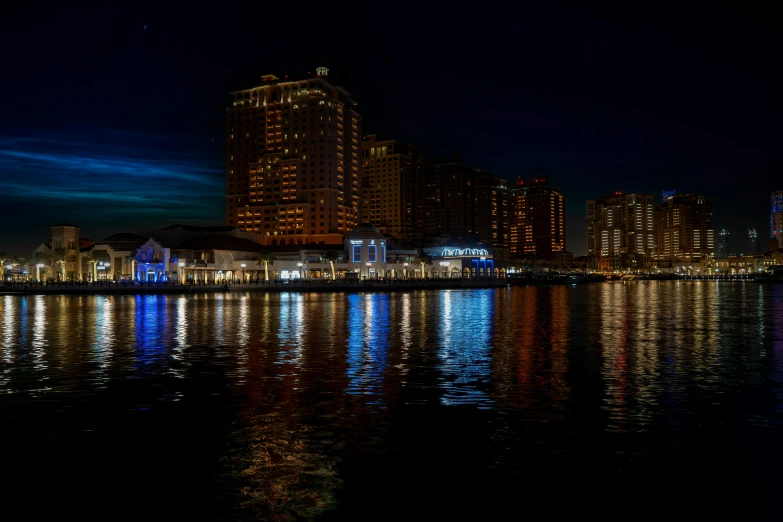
(195, 228)
(204, 243)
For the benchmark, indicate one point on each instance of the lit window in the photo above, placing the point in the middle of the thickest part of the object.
(357, 254)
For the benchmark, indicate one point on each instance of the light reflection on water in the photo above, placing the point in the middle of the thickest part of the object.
(466, 320)
(328, 391)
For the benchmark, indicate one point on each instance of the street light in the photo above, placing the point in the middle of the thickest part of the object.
(368, 269)
(301, 274)
(181, 272)
(406, 269)
(243, 265)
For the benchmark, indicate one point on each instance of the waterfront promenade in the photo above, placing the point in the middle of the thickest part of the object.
(119, 288)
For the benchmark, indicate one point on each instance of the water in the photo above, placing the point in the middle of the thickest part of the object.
(614, 400)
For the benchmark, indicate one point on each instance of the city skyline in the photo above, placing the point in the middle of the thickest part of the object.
(652, 111)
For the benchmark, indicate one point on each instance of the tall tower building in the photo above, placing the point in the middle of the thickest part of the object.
(753, 241)
(450, 198)
(492, 209)
(723, 244)
(537, 225)
(293, 160)
(776, 217)
(684, 229)
(393, 186)
(620, 231)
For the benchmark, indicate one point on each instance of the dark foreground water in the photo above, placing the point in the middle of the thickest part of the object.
(606, 401)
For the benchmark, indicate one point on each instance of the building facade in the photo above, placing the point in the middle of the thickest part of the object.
(776, 217)
(537, 225)
(684, 230)
(450, 204)
(492, 209)
(620, 233)
(393, 186)
(293, 169)
(60, 254)
(723, 244)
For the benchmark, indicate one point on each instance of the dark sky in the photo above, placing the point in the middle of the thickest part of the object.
(118, 127)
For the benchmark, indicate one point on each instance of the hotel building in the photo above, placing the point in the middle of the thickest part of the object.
(393, 186)
(450, 205)
(293, 161)
(684, 230)
(492, 209)
(776, 217)
(537, 224)
(620, 233)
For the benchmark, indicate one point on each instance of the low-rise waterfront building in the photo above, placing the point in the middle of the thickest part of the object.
(226, 257)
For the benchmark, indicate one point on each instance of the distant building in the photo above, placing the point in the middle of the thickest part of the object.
(684, 230)
(450, 204)
(723, 244)
(492, 209)
(776, 217)
(620, 233)
(293, 160)
(537, 223)
(668, 194)
(753, 241)
(393, 186)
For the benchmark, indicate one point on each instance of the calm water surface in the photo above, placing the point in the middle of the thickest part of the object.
(626, 401)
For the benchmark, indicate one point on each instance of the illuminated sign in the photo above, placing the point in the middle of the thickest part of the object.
(356, 241)
(464, 252)
(445, 263)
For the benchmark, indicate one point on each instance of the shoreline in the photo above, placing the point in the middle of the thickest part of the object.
(361, 286)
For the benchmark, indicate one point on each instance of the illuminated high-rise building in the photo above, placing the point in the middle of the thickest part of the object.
(620, 231)
(753, 241)
(293, 160)
(393, 186)
(723, 244)
(537, 223)
(491, 209)
(776, 217)
(449, 206)
(684, 229)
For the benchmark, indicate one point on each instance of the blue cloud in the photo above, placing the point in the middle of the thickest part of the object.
(159, 179)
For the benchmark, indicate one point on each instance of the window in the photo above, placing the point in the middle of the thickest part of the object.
(357, 254)
(383, 252)
(371, 255)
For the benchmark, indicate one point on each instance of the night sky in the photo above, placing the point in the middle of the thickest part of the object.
(113, 115)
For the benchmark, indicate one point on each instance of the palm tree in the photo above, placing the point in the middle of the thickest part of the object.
(422, 259)
(37, 259)
(92, 259)
(331, 256)
(131, 259)
(58, 256)
(265, 258)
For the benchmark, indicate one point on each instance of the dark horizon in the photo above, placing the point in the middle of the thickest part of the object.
(114, 116)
